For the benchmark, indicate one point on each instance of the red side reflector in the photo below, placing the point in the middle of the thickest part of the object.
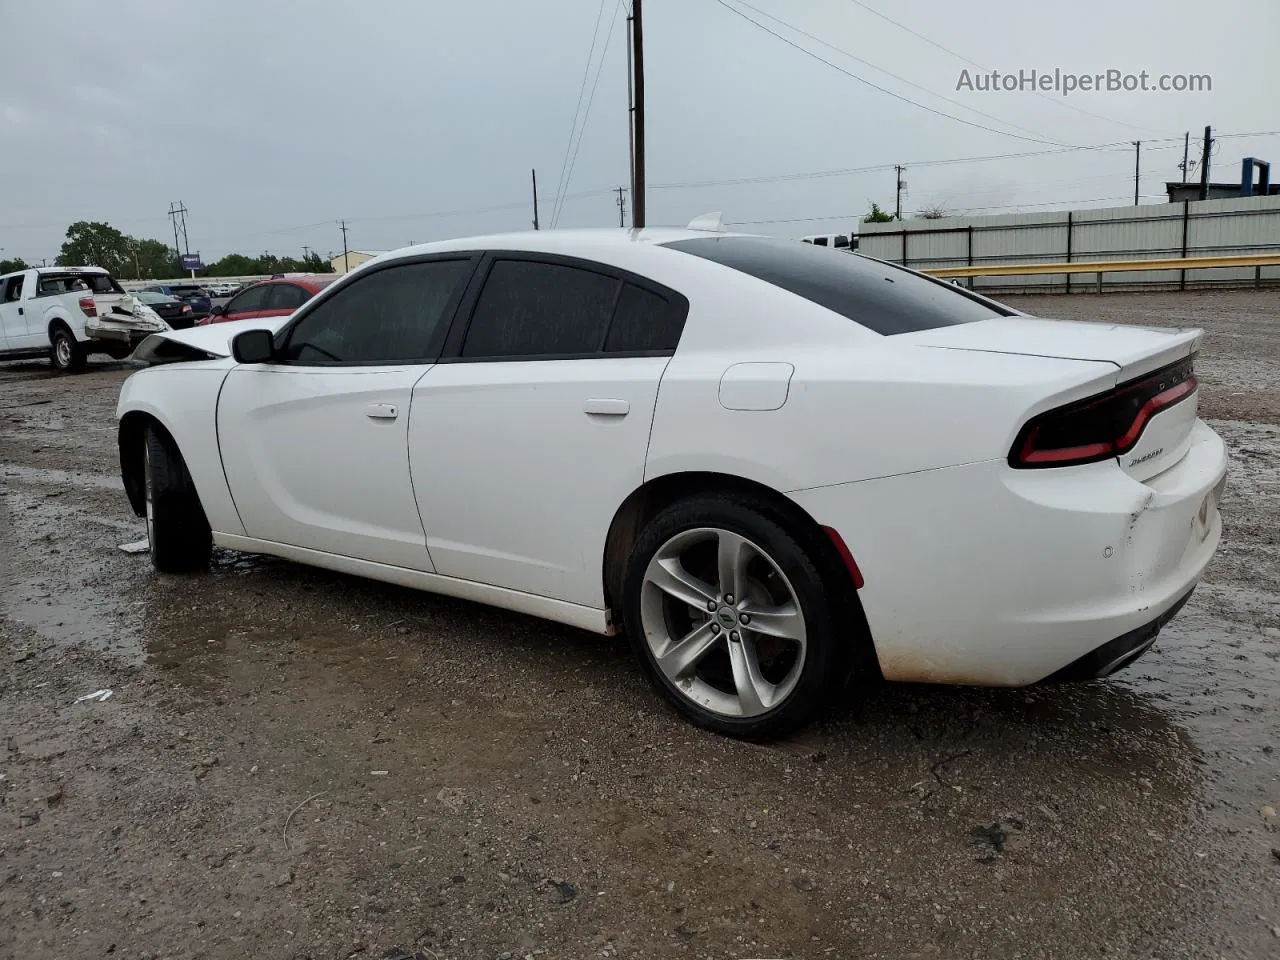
(841, 548)
(88, 306)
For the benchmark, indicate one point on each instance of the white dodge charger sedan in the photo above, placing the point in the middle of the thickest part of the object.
(774, 466)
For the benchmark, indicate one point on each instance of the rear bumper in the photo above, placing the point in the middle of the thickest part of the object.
(1118, 653)
(988, 575)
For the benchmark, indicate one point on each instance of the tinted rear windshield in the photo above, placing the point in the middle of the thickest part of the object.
(876, 295)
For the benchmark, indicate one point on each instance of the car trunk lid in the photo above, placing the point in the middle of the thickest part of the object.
(1136, 353)
(1133, 350)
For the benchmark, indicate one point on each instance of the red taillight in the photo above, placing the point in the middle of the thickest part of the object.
(186, 308)
(88, 306)
(1104, 426)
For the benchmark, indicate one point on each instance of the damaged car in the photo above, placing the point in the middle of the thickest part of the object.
(70, 313)
(776, 467)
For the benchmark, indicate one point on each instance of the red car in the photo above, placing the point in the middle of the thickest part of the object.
(269, 298)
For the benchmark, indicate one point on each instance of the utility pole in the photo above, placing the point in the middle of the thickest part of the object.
(637, 43)
(622, 206)
(535, 199)
(1137, 157)
(346, 264)
(631, 118)
(173, 215)
(306, 252)
(1204, 163)
(1186, 149)
(897, 205)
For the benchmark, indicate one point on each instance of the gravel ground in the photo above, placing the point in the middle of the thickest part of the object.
(297, 764)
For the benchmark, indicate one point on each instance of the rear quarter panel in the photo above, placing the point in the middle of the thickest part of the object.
(65, 307)
(856, 410)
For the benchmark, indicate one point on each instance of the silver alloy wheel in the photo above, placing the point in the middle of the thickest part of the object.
(147, 489)
(62, 349)
(734, 614)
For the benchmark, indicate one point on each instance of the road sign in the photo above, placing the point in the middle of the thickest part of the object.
(191, 261)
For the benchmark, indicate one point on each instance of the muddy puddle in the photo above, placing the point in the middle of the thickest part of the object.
(299, 764)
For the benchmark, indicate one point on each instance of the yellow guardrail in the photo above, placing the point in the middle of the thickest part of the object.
(1106, 266)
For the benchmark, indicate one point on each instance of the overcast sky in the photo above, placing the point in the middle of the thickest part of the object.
(415, 119)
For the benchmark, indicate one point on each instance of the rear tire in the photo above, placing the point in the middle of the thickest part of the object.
(730, 617)
(66, 355)
(177, 528)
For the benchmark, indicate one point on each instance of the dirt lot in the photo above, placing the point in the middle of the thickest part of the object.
(297, 764)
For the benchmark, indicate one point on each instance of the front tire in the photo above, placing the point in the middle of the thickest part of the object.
(177, 528)
(66, 355)
(730, 617)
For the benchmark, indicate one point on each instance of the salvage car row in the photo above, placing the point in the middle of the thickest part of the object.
(70, 313)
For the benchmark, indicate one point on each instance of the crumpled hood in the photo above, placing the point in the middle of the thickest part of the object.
(215, 338)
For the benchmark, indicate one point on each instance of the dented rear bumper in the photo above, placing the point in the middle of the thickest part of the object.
(981, 574)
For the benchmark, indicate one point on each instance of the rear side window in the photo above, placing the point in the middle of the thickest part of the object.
(285, 296)
(391, 315)
(643, 322)
(876, 295)
(250, 301)
(530, 309)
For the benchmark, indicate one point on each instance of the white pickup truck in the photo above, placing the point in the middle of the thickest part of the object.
(67, 313)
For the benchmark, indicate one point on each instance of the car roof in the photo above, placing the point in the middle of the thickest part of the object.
(312, 282)
(577, 242)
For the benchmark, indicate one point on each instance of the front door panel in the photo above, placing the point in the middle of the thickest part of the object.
(316, 457)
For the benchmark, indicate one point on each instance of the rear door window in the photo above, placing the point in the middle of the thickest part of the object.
(286, 296)
(877, 295)
(534, 309)
(250, 301)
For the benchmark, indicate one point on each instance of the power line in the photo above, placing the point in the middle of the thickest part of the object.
(586, 114)
(974, 63)
(876, 86)
(922, 89)
(582, 90)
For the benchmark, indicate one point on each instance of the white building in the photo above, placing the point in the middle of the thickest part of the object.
(353, 259)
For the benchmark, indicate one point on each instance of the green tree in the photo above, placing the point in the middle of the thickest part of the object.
(153, 260)
(314, 263)
(238, 265)
(877, 215)
(234, 265)
(13, 266)
(94, 244)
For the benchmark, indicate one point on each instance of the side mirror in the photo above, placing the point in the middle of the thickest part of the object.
(218, 309)
(253, 346)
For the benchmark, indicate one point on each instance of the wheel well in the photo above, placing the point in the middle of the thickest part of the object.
(132, 438)
(659, 493)
(57, 322)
